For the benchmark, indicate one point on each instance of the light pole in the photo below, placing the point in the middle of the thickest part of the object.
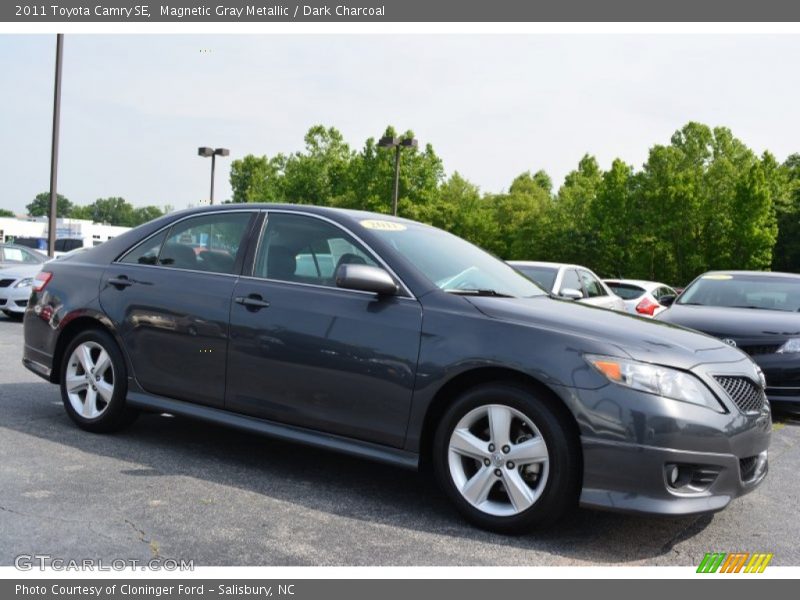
(51, 227)
(397, 144)
(205, 152)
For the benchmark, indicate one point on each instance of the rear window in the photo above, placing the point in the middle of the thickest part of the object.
(544, 276)
(626, 291)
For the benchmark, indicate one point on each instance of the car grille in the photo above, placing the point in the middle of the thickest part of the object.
(764, 349)
(6, 282)
(748, 396)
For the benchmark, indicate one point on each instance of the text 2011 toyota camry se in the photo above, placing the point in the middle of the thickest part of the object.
(392, 340)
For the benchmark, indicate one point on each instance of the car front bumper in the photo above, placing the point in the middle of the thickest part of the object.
(639, 481)
(631, 441)
(14, 299)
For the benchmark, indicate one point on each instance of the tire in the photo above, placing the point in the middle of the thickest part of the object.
(93, 369)
(546, 448)
(14, 316)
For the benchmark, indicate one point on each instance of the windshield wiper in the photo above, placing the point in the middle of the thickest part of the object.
(754, 307)
(477, 292)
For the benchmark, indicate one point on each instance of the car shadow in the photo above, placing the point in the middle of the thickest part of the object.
(326, 481)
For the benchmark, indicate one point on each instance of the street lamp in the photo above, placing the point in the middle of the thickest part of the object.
(205, 152)
(397, 144)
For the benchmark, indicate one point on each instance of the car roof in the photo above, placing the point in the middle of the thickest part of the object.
(348, 213)
(757, 273)
(638, 282)
(543, 263)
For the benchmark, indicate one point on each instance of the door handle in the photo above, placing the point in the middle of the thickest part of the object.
(120, 282)
(252, 302)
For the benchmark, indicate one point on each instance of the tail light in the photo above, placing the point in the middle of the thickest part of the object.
(647, 307)
(41, 280)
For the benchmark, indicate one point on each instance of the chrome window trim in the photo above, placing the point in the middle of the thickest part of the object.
(405, 289)
(122, 256)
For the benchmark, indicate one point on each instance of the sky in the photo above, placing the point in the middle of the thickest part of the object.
(136, 107)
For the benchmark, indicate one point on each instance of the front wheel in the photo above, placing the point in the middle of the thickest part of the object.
(94, 383)
(506, 458)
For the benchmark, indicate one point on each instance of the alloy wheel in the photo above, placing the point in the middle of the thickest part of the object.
(89, 380)
(498, 460)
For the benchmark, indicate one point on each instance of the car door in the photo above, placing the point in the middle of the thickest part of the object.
(305, 352)
(596, 293)
(170, 299)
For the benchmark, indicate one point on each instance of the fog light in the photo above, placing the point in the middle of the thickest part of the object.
(672, 474)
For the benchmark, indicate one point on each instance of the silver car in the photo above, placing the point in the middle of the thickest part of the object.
(642, 298)
(570, 281)
(15, 289)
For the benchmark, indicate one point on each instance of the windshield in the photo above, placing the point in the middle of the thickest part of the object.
(451, 263)
(765, 292)
(544, 276)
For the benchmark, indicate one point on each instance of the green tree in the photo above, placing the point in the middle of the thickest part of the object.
(6, 213)
(786, 179)
(257, 179)
(615, 220)
(40, 207)
(113, 211)
(143, 214)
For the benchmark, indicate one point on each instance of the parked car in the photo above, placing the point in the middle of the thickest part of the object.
(406, 345)
(13, 255)
(642, 298)
(754, 311)
(572, 282)
(15, 289)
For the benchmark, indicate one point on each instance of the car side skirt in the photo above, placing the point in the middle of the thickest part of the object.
(290, 433)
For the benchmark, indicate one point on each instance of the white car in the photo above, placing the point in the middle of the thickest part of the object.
(643, 298)
(570, 281)
(15, 289)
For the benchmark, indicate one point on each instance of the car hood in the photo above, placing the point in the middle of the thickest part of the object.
(740, 324)
(19, 272)
(614, 333)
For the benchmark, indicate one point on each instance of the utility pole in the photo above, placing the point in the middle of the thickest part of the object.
(52, 225)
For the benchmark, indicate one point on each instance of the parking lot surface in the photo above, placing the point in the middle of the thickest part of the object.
(180, 489)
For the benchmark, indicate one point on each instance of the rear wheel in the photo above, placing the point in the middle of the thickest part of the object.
(94, 383)
(506, 458)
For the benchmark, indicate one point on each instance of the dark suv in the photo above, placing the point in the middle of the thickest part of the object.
(395, 341)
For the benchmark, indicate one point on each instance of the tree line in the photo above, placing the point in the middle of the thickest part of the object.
(703, 201)
(110, 211)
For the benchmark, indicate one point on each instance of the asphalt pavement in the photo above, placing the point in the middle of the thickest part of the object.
(175, 488)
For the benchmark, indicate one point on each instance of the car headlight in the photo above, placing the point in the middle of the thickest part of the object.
(655, 379)
(790, 347)
(23, 283)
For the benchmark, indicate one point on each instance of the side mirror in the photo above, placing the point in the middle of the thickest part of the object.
(668, 300)
(571, 294)
(366, 278)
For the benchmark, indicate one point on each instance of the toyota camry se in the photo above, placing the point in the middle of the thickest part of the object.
(395, 341)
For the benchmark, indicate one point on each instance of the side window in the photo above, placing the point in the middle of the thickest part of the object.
(592, 285)
(30, 258)
(305, 250)
(13, 255)
(571, 281)
(205, 243)
(147, 252)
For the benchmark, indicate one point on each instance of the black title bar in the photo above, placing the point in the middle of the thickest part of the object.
(399, 11)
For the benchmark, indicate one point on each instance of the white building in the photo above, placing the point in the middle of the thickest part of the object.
(75, 233)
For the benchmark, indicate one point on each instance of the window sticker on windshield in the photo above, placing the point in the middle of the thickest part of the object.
(382, 225)
(718, 277)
